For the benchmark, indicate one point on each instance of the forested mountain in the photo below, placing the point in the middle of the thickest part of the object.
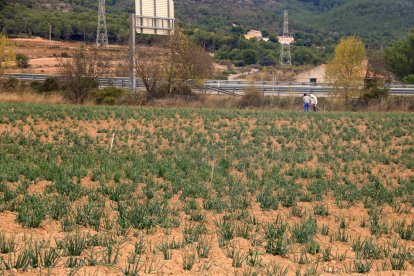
(376, 20)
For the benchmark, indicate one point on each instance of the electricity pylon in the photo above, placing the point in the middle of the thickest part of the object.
(102, 31)
(285, 54)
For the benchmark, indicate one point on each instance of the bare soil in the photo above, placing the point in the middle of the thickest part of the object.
(218, 263)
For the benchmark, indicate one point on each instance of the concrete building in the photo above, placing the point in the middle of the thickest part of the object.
(254, 34)
(318, 74)
(315, 75)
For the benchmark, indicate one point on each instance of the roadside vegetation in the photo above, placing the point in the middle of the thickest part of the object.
(176, 69)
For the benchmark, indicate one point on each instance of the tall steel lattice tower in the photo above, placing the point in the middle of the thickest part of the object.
(285, 40)
(102, 31)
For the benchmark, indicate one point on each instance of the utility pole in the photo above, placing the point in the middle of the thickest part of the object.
(285, 54)
(132, 58)
(102, 31)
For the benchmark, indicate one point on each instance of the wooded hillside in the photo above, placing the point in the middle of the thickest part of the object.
(377, 21)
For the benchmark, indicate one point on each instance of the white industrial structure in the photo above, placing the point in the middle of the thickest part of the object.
(154, 17)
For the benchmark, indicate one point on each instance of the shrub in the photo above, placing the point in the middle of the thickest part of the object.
(405, 103)
(165, 91)
(107, 96)
(220, 76)
(22, 61)
(80, 74)
(50, 84)
(160, 92)
(375, 93)
(77, 90)
(408, 79)
(252, 97)
(184, 90)
(36, 85)
(131, 98)
(239, 63)
(12, 85)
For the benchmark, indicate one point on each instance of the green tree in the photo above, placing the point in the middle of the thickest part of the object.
(399, 57)
(345, 71)
(22, 61)
(249, 56)
(304, 55)
(150, 70)
(7, 55)
(80, 74)
(235, 54)
(409, 79)
(268, 58)
(265, 33)
(238, 30)
(185, 61)
(223, 52)
(2, 4)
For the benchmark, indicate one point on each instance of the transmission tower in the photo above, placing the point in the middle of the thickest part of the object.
(285, 40)
(102, 31)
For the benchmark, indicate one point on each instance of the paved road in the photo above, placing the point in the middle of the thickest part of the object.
(223, 87)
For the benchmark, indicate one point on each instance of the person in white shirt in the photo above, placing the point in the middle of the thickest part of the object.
(306, 102)
(313, 102)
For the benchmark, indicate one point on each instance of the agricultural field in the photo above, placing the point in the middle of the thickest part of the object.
(44, 55)
(126, 191)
